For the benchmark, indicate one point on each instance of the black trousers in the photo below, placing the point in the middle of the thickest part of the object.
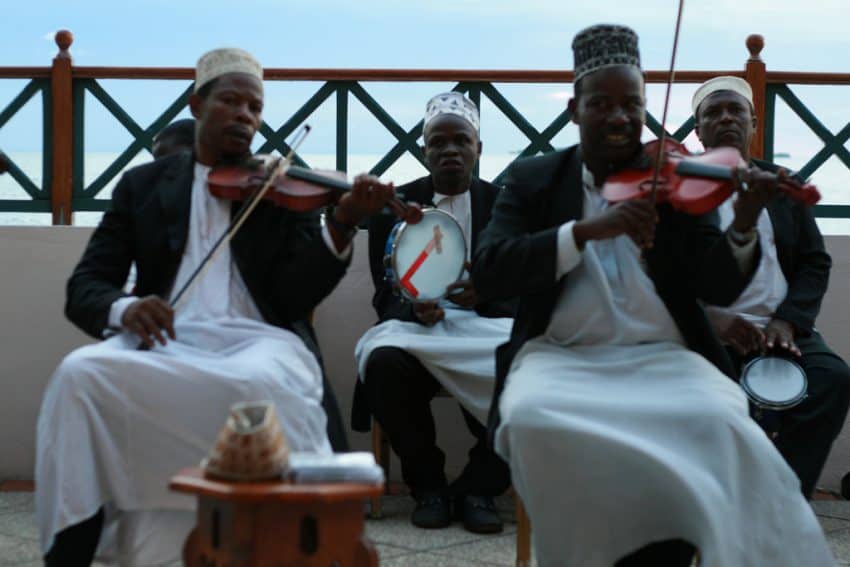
(336, 431)
(668, 553)
(76, 545)
(807, 431)
(399, 391)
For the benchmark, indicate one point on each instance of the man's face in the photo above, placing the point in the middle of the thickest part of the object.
(610, 111)
(451, 149)
(725, 118)
(229, 116)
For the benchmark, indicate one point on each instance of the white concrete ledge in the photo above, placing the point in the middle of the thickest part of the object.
(35, 263)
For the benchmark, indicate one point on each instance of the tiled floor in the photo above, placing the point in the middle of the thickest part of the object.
(398, 543)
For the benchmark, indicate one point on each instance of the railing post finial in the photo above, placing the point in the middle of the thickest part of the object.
(63, 39)
(756, 74)
(62, 92)
(755, 43)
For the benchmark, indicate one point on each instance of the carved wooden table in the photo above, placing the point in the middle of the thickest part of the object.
(276, 524)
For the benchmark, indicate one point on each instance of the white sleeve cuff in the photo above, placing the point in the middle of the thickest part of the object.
(329, 241)
(116, 310)
(568, 256)
(744, 253)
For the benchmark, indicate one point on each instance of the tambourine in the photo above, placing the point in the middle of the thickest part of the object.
(422, 259)
(774, 383)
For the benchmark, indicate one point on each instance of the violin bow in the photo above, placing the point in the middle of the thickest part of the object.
(279, 168)
(670, 77)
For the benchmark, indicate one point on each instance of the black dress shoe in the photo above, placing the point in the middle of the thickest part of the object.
(432, 511)
(479, 514)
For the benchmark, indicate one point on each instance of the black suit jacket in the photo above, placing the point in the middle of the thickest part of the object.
(280, 254)
(516, 256)
(389, 305)
(802, 257)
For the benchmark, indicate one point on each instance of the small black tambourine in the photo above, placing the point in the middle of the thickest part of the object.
(773, 384)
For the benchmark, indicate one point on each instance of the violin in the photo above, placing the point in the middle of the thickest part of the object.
(694, 184)
(297, 188)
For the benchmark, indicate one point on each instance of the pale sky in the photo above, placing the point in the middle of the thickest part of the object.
(481, 34)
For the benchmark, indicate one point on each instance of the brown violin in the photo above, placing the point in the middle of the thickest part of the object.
(297, 188)
(694, 184)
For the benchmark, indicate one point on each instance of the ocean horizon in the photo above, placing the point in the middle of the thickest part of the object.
(832, 179)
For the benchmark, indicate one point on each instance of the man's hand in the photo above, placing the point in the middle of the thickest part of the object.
(744, 337)
(636, 218)
(149, 316)
(429, 313)
(762, 186)
(462, 292)
(780, 334)
(367, 197)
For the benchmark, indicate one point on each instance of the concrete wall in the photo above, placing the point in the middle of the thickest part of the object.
(35, 262)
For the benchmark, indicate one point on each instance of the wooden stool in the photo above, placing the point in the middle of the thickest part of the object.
(274, 523)
(523, 534)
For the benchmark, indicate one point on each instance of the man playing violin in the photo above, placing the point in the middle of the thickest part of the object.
(627, 441)
(777, 310)
(420, 347)
(117, 421)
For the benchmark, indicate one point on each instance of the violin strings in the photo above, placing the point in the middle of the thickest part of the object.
(670, 78)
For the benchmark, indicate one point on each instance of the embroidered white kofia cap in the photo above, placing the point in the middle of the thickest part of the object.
(218, 62)
(452, 103)
(723, 83)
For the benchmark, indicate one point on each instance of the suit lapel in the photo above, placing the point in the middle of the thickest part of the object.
(423, 192)
(566, 196)
(175, 196)
(480, 205)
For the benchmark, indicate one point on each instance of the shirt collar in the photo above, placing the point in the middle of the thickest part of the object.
(440, 196)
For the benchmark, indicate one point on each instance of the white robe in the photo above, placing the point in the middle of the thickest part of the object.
(618, 436)
(117, 423)
(458, 351)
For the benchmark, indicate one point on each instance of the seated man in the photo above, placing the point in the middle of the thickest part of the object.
(118, 421)
(777, 311)
(179, 136)
(420, 347)
(627, 443)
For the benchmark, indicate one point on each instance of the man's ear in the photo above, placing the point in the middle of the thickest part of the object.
(572, 106)
(195, 103)
(480, 147)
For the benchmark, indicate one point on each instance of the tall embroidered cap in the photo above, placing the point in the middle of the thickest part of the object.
(452, 103)
(218, 62)
(722, 83)
(604, 45)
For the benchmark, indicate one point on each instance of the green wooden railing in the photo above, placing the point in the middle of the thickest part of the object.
(63, 89)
